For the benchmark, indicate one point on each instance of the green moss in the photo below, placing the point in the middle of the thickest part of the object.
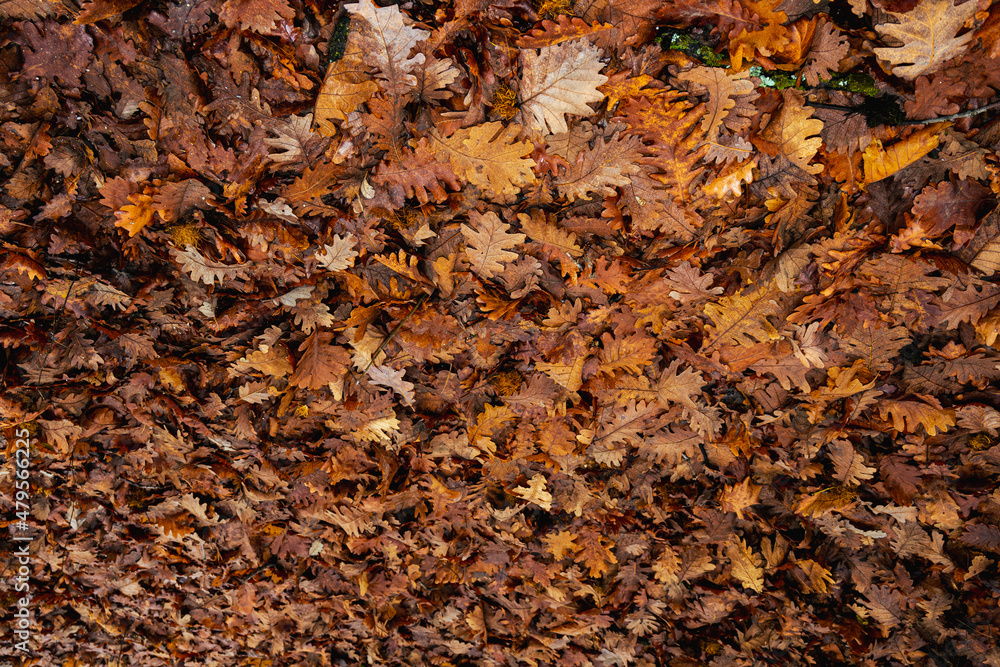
(677, 40)
(338, 40)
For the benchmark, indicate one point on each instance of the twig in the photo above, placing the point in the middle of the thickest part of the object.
(961, 114)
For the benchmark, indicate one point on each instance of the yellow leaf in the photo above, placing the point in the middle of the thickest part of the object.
(620, 86)
(535, 492)
(729, 184)
(570, 377)
(819, 503)
(820, 578)
(884, 162)
(746, 565)
(403, 265)
(743, 318)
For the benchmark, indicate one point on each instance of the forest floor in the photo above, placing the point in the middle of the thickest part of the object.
(500, 333)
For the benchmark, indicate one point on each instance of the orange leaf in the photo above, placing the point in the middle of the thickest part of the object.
(133, 217)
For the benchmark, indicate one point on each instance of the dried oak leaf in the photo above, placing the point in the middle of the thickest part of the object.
(900, 479)
(679, 387)
(185, 19)
(829, 47)
(632, 353)
(295, 145)
(746, 567)
(487, 244)
(174, 200)
(433, 78)
(876, 344)
(30, 9)
(793, 133)
(271, 360)
(882, 162)
(600, 169)
(674, 149)
(556, 243)
(561, 544)
(969, 304)
(535, 492)
(885, 605)
(560, 80)
(979, 419)
(931, 97)
(321, 363)
(135, 215)
(722, 87)
(928, 36)
(202, 269)
(743, 318)
(981, 536)
(56, 51)
(338, 255)
(98, 10)
(417, 174)
(489, 156)
(738, 497)
(386, 42)
(595, 553)
(908, 415)
(563, 29)
(849, 465)
(260, 16)
(392, 378)
(346, 85)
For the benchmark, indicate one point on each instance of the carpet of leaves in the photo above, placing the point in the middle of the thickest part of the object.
(491, 333)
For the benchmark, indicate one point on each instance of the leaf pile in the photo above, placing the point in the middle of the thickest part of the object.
(493, 334)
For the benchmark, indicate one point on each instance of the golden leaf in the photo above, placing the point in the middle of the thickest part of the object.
(489, 156)
(743, 318)
(882, 162)
(793, 132)
(561, 543)
(908, 415)
(535, 492)
(745, 565)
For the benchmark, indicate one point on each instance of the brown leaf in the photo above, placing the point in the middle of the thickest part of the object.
(320, 362)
